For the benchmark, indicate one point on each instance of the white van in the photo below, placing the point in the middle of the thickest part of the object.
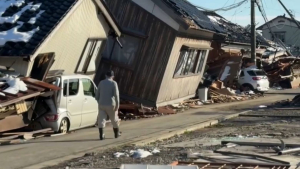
(77, 106)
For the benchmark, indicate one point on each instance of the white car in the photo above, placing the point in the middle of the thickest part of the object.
(77, 106)
(254, 79)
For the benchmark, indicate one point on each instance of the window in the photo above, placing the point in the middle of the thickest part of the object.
(87, 62)
(242, 74)
(88, 87)
(279, 35)
(71, 88)
(202, 59)
(65, 87)
(124, 55)
(191, 61)
(256, 73)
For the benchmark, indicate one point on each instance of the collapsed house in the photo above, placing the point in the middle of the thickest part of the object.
(165, 47)
(228, 56)
(74, 30)
(38, 37)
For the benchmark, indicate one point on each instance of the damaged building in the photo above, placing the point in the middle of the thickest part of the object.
(165, 48)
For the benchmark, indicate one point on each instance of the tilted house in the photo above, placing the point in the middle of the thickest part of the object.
(72, 30)
(165, 48)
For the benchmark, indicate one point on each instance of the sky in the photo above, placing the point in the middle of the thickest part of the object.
(241, 15)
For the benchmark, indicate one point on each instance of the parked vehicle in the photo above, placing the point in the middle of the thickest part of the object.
(254, 79)
(76, 106)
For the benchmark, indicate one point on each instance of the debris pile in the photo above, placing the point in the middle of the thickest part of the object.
(129, 111)
(282, 69)
(294, 103)
(220, 94)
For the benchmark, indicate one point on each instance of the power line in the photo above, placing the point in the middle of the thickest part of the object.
(263, 12)
(227, 8)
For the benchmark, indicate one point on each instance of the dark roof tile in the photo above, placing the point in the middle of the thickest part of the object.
(236, 33)
(189, 11)
(45, 14)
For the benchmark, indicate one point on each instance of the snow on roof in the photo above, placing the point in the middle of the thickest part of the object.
(13, 34)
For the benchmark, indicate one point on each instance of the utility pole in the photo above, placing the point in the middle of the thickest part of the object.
(291, 15)
(253, 33)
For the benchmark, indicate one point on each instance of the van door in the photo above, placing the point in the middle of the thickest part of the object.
(90, 104)
(74, 102)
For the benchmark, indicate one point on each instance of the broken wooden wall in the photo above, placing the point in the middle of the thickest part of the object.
(176, 89)
(141, 82)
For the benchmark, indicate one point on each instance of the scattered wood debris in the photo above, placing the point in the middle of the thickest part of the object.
(21, 137)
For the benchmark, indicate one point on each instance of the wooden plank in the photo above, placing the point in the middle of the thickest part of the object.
(30, 135)
(3, 104)
(9, 137)
(257, 143)
(21, 107)
(40, 83)
(252, 155)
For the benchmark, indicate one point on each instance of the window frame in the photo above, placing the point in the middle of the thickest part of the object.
(277, 34)
(94, 94)
(116, 63)
(196, 65)
(88, 59)
(68, 84)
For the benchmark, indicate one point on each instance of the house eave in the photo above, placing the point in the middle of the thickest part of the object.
(109, 17)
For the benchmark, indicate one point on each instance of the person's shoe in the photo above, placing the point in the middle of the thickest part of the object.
(101, 134)
(117, 132)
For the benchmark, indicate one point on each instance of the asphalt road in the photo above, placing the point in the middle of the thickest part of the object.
(46, 151)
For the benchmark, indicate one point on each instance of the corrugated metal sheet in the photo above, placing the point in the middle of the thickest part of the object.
(142, 81)
(176, 88)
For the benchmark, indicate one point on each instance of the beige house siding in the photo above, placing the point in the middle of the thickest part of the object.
(69, 40)
(16, 63)
(172, 89)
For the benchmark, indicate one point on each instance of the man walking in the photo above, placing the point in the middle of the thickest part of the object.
(108, 102)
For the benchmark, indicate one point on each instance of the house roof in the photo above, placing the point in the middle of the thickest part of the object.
(289, 19)
(212, 22)
(193, 16)
(236, 33)
(25, 24)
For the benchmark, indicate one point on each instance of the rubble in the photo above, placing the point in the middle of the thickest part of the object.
(227, 143)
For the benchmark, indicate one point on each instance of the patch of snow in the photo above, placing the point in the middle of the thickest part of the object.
(19, 3)
(2, 94)
(33, 19)
(262, 106)
(118, 154)
(16, 16)
(140, 153)
(155, 151)
(225, 73)
(214, 19)
(15, 36)
(35, 7)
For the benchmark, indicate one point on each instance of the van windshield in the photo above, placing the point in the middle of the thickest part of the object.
(256, 73)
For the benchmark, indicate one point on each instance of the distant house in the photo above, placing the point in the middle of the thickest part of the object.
(74, 30)
(165, 48)
(284, 28)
